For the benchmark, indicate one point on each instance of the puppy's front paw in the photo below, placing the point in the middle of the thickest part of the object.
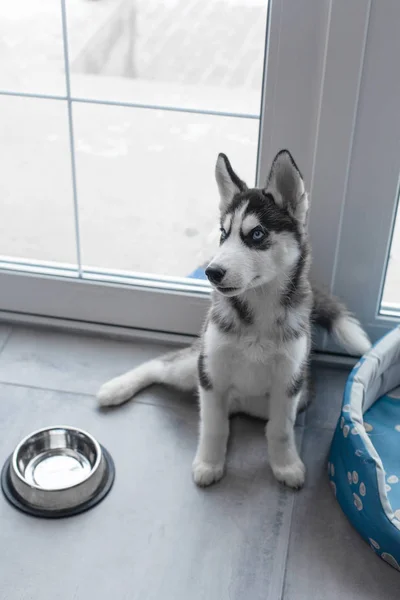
(205, 474)
(292, 475)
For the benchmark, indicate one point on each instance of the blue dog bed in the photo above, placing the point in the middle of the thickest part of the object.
(364, 461)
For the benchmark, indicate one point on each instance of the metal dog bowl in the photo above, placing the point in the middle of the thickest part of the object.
(57, 472)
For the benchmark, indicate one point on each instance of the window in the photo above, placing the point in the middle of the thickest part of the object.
(360, 198)
(113, 114)
(111, 118)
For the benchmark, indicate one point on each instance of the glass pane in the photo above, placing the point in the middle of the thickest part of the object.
(391, 290)
(37, 220)
(31, 47)
(147, 196)
(204, 54)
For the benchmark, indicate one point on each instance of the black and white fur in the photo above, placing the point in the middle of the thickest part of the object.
(253, 354)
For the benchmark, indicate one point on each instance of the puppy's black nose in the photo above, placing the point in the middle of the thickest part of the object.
(215, 274)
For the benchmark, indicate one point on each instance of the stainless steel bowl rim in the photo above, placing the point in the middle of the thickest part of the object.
(96, 465)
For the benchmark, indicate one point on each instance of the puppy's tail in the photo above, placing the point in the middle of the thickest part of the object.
(178, 369)
(328, 312)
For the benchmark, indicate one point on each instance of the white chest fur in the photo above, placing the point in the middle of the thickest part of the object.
(240, 365)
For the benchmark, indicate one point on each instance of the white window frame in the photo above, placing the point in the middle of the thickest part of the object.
(370, 203)
(313, 72)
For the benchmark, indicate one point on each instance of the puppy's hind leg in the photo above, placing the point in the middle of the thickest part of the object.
(178, 369)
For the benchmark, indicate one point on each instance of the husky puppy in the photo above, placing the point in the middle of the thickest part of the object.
(253, 354)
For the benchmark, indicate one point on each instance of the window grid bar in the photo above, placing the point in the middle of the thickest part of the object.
(195, 111)
(71, 140)
(32, 95)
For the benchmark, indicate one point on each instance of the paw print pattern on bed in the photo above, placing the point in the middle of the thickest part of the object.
(382, 423)
(364, 462)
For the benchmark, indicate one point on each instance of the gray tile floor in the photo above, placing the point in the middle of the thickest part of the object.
(157, 536)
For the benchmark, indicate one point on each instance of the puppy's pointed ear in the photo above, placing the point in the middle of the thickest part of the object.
(229, 184)
(286, 185)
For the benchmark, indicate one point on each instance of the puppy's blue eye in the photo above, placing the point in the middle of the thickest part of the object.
(223, 234)
(257, 235)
